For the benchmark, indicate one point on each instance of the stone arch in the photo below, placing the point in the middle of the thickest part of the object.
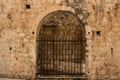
(70, 12)
(37, 21)
(45, 12)
(81, 28)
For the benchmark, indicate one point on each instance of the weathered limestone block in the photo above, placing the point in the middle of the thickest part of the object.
(59, 1)
(1, 10)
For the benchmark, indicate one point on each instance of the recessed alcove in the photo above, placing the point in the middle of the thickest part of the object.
(60, 45)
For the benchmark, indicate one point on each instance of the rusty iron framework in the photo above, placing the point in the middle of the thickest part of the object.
(60, 56)
(60, 47)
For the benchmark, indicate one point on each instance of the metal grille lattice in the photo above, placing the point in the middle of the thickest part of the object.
(60, 45)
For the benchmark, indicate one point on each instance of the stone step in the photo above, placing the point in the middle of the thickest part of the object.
(61, 77)
(10, 79)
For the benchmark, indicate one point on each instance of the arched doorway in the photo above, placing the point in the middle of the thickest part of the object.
(60, 44)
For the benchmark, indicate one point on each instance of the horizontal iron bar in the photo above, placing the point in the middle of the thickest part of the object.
(61, 40)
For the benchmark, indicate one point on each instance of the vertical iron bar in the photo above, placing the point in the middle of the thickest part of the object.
(48, 62)
(67, 43)
(43, 55)
(53, 53)
(62, 52)
(70, 59)
(80, 54)
(52, 56)
(38, 58)
(40, 54)
(46, 56)
(70, 52)
(73, 54)
(81, 57)
(59, 52)
(51, 60)
(77, 52)
(56, 55)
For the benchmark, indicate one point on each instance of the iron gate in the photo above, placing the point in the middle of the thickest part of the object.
(60, 46)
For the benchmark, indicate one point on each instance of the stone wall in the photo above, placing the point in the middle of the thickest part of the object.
(19, 21)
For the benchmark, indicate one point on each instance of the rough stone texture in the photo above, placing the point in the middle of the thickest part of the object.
(18, 28)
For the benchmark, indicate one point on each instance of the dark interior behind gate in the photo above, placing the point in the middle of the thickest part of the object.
(60, 45)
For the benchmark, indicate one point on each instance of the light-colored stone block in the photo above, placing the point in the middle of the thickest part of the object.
(1, 9)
